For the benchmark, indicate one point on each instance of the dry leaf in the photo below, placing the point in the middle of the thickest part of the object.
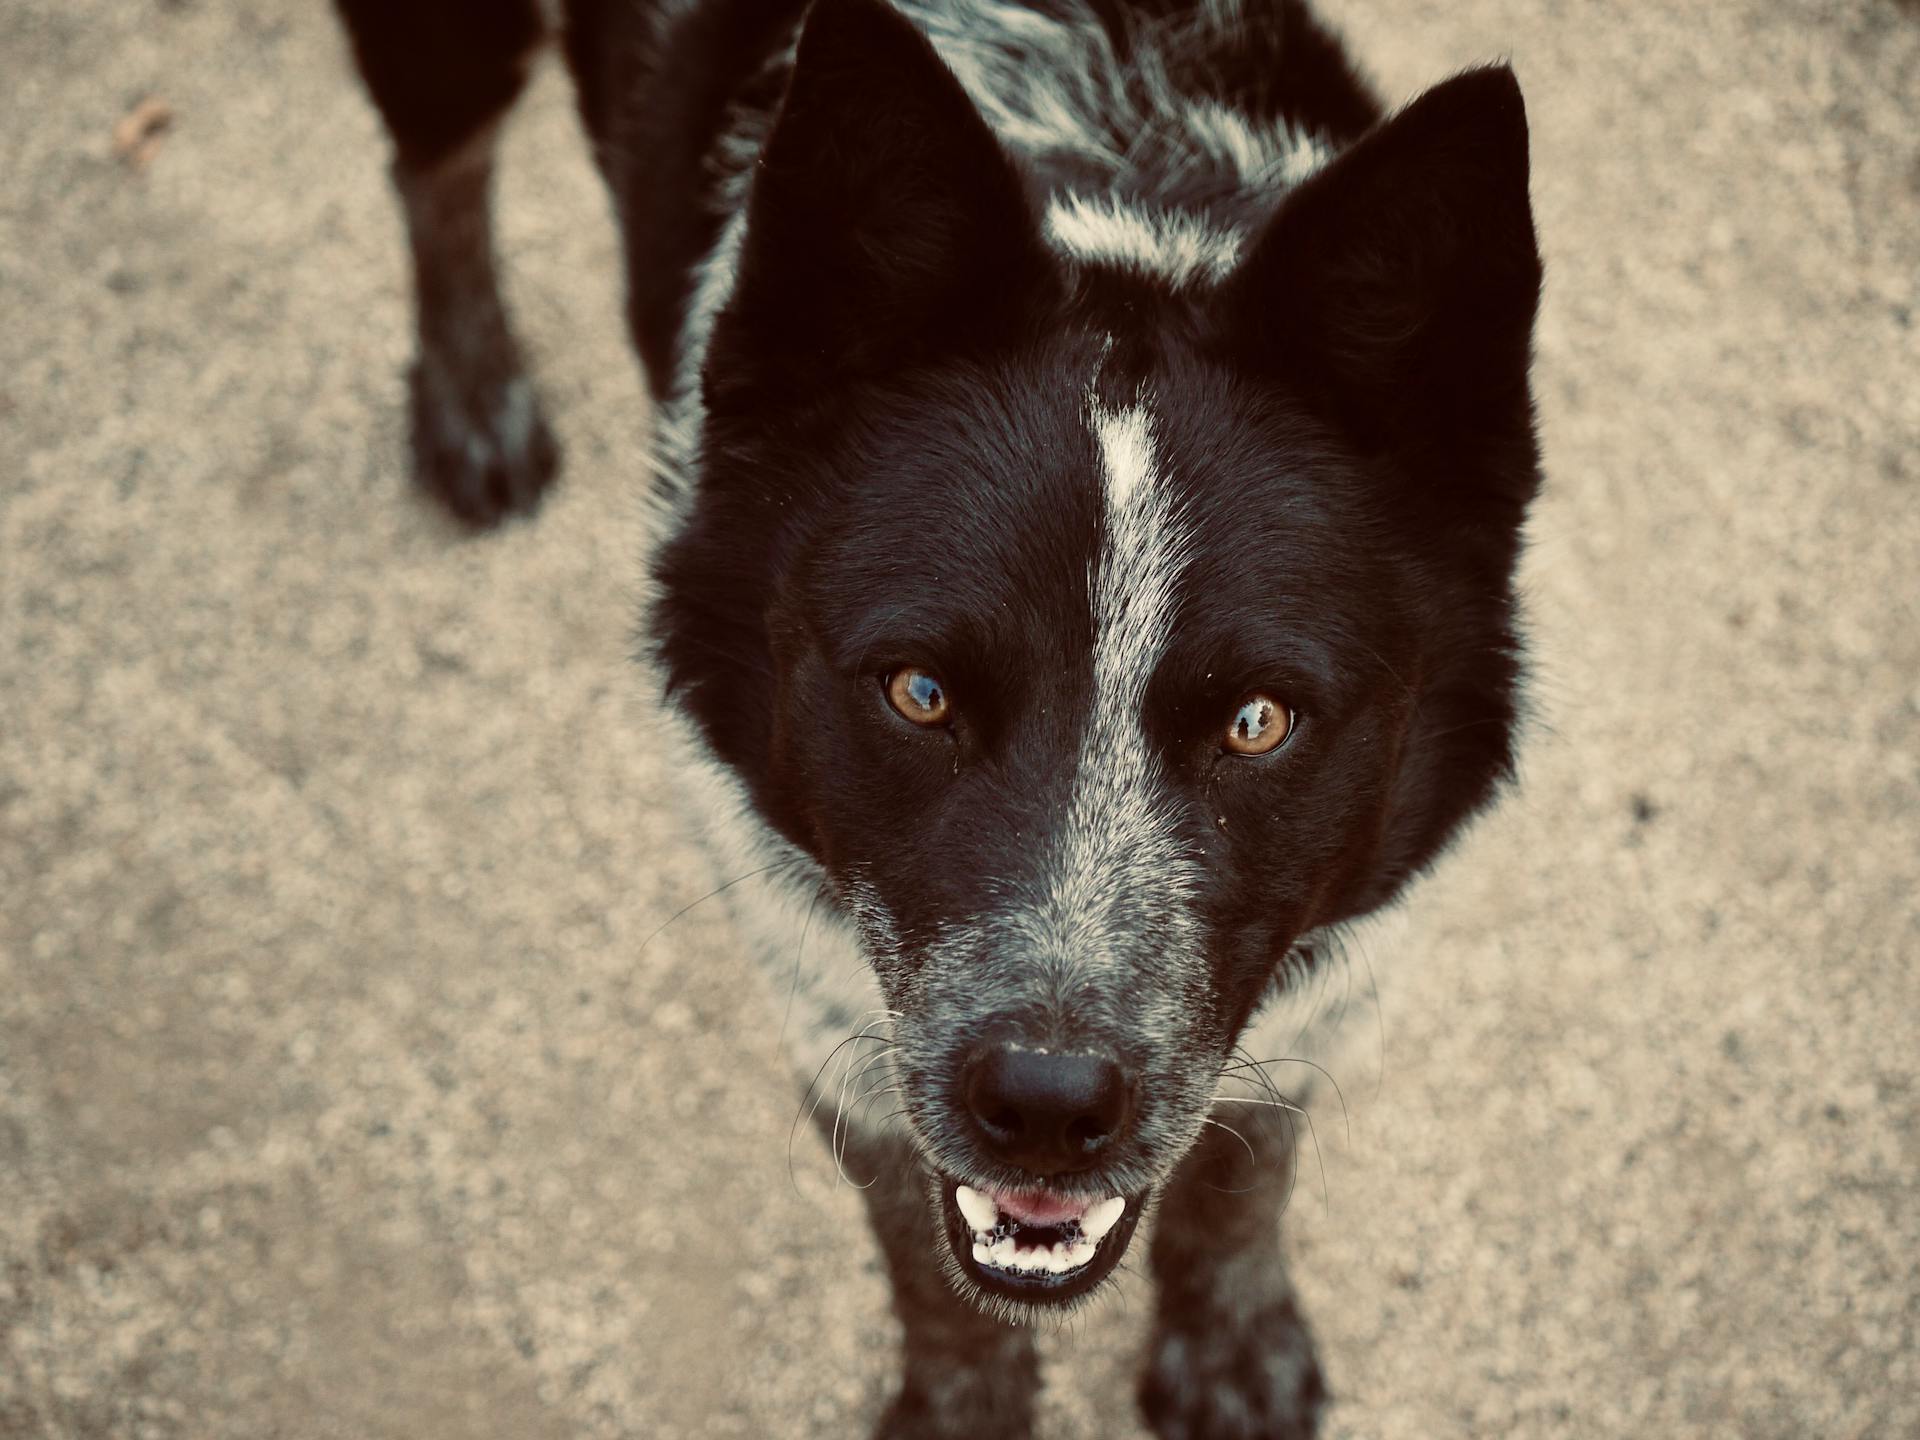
(138, 135)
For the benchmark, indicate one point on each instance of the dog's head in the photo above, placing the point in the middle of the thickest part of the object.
(1100, 634)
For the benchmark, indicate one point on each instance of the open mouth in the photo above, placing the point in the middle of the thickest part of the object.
(1036, 1246)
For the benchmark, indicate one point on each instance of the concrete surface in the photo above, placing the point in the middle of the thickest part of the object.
(340, 1094)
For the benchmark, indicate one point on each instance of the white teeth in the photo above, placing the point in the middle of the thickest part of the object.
(983, 1217)
(1100, 1218)
(982, 1214)
(1055, 1259)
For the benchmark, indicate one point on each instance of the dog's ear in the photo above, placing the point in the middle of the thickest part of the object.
(1397, 287)
(885, 220)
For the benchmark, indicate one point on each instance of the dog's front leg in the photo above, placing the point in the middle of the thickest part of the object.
(1231, 1358)
(966, 1374)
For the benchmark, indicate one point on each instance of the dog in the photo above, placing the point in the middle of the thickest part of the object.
(1093, 441)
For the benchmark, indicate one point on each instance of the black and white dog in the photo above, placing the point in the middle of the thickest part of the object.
(1094, 443)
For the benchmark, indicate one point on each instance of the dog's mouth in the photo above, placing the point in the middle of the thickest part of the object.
(1036, 1246)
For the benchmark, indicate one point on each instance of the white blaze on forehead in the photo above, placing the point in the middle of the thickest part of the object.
(1141, 556)
(1117, 865)
(1126, 460)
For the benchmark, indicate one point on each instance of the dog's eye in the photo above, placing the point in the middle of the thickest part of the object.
(1259, 725)
(918, 696)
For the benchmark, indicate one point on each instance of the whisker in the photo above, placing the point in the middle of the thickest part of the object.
(1293, 1161)
(1317, 974)
(717, 890)
(1253, 1160)
(1312, 1133)
(793, 986)
(1286, 1105)
(1289, 1108)
(1264, 1082)
(803, 1111)
(1347, 944)
(1221, 1125)
(875, 1092)
(1260, 1066)
(842, 1120)
(842, 1130)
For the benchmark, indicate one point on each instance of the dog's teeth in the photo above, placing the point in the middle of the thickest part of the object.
(1055, 1259)
(983, 1218)
(1100, 1218)
(981, 1212)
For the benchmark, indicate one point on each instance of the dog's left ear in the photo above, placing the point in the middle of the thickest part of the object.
(885, 221)
(1397, 287)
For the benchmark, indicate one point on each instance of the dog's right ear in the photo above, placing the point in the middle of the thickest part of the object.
(1397, 287)
(885, 221)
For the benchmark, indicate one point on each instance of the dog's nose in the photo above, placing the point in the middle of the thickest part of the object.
(1047, 1113)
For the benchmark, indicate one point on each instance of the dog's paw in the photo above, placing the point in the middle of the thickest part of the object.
(963, 1405)
(484, 452)
(1250, 1375)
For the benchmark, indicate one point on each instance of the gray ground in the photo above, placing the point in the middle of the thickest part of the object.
(339, 1095)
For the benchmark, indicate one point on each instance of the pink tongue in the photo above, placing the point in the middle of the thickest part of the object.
(1036, 1207)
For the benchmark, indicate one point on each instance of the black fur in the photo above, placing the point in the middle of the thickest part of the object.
(673, 84)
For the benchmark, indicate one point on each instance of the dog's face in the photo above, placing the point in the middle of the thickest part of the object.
(1100, 637)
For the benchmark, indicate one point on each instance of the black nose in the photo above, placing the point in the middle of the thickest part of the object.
(1047, 1113)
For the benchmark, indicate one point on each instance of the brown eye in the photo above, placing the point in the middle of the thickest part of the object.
(918, 696)
(1259, 726)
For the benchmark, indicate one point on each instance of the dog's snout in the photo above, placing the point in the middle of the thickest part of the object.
(1047, 1113)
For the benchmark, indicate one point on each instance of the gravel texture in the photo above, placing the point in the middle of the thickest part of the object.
(347, 1090)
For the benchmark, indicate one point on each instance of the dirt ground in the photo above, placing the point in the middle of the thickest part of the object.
(342, 1092)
